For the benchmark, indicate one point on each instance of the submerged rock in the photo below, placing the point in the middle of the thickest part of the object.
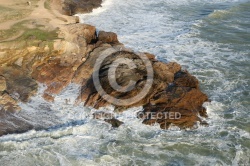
(108, 117)
(114, 122)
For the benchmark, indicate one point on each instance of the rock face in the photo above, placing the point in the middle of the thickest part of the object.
(173, 96)
(71, 7)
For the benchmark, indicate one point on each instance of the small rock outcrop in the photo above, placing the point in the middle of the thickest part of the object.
(108, 37)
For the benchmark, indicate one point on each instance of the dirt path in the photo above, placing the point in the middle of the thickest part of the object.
(40, 12)
(49, 18)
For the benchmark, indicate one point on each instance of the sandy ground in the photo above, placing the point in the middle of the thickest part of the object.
(39, 13)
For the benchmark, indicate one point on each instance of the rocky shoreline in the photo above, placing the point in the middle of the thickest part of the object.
(71, 7)
(69, 53)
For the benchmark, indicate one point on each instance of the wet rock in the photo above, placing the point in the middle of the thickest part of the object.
(114, 122)
(184, 79)
(10, 123)
(103, 115)
(107, 117)
(182, 97)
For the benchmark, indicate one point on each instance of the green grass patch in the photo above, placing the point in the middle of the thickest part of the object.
(13, 31)
(13, 14)
(37, 34)
(28, 34)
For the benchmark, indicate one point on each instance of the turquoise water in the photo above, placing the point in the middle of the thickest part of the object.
(211, 39)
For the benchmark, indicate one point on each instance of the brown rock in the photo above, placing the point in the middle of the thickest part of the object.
(77, 19)
(54, 75)
(48, 97)
(173, 67)
(124, 75)
(182, 97)
(107, 117)
(79, 33)
(107, 37)
(7, 103)
(85, 70)
(173, 91)
(114, 122)
(19, 82)
(71, 7)
(162, 72)
(184, 79)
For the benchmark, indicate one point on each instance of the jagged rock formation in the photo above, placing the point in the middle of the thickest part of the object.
(70, 56)
(181, 98)
(172, 90)
(73, 58)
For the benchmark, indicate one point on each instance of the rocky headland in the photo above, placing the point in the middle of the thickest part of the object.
(55, 50)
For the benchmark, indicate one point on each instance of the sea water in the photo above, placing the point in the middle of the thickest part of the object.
(211, 39)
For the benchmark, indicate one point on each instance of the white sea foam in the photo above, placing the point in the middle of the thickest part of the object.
(105, 5)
